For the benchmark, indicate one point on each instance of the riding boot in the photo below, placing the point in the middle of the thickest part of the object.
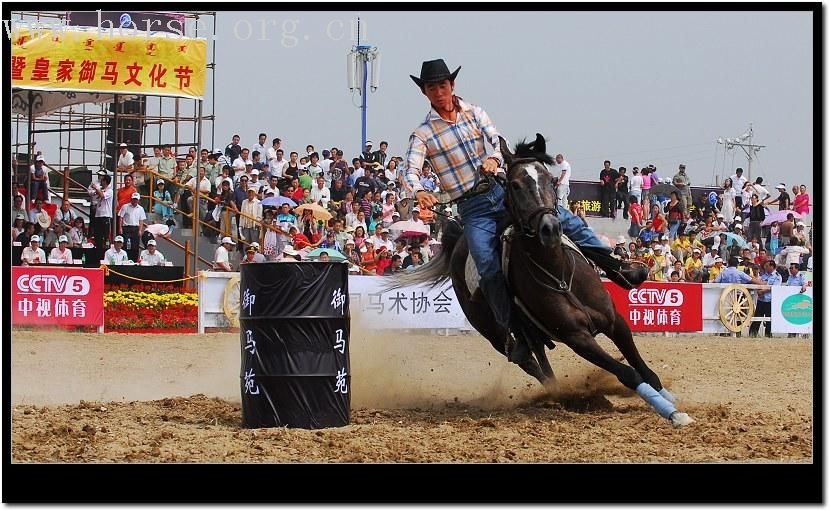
(620, 272)
(500, 300)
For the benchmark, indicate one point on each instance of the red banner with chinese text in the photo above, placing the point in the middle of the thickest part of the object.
(94, 59)
(57, 295)
(660, 306)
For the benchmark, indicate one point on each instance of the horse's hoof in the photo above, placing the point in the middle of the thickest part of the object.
(679, 419)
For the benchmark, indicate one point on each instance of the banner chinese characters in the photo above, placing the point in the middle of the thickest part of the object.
(660, 306)
(98, 60)
(57, 295)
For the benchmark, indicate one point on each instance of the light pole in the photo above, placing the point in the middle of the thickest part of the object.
(357, 75)
(748, 147)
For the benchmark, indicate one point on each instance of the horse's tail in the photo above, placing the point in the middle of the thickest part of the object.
(437, 270)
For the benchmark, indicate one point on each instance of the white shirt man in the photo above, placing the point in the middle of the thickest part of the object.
(383, 240)
(260, 146)
(61, 253)
(738, 183)
(126, 161)
(276, 163)
(115, 255)
(151, 256)
(272, 187)
(320, 193)
(326, 164)
(33, 254)
(221, 259)
(562, 170)
(709, 258)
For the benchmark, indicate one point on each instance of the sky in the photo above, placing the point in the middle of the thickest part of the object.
(632, 87)
(636, 88)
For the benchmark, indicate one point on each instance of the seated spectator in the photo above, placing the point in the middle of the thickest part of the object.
(415, 260)
(77, 234)
(115, 255)
(151, 256)
(221, 258)
(324, 257)
(289, 255)
(675, 277)
(394, 265)
(367, 258)
(716, 269)
(19, 226)
(259, 257)
(352, 255)
(28, 231)
(33, 254)
(61, 254)
(382, 260)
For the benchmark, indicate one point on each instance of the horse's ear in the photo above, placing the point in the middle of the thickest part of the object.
(539, 145)
(505, 151)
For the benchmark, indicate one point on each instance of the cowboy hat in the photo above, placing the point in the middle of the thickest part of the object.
(289, 250)
(44, 219)
(434, 71)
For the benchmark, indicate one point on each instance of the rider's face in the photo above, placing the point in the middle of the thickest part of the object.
(440, 94)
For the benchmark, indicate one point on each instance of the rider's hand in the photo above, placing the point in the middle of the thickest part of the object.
(425, 199)
(490, 166)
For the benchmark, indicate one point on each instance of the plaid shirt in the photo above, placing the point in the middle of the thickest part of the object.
(456, 150)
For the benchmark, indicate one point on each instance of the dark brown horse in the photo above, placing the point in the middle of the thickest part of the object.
(559, 294)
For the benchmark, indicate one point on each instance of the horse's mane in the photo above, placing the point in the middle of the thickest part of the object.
(534, 150)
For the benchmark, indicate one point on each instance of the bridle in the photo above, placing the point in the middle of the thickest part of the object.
(524, 225)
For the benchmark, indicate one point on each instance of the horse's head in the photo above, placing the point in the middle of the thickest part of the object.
(531, 193)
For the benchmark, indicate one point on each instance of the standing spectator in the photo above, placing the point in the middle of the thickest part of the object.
(728, 203)
(757, 214)
(380, 154)
(760, 190)
(621, 200)
(260, 145)
(682, 181)
(33, 254)
(635, 186)
(126, 160)
(774, 233)
(126, 192)
(320, 194)
(102, 223)
(646, 202)
(131, 219)
(563, 186)
(40, 179)
(746, 198)
(276, 162)
(367, 155)
(783, 198)
(802, 204)
(676, 213)
(62, 253)
(637, 220)
(162, 203)
(787, 228)
(251, 217)
(391, 171)
(203, 191)
(18, 208)
(167, 162)
(738, 183)
(763, 307)
(608, 180)
(233, 150)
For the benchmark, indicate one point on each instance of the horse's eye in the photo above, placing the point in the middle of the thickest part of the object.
(515, 186)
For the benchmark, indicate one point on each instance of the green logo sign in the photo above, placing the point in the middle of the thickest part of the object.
(797, 309)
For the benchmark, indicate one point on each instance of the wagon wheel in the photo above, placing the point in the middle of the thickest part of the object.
(736, 308)
(231, 301)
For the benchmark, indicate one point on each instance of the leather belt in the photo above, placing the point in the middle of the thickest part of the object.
(483, 186)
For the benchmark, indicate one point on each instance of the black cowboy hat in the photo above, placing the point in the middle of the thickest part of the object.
(434, 71)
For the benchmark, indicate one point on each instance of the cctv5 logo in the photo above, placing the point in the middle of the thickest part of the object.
(53, 285)
(662, 297)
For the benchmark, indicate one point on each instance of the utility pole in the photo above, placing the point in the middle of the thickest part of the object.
(358, 63)
(745, 143)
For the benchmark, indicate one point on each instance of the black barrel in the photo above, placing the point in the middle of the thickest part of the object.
(294, 333)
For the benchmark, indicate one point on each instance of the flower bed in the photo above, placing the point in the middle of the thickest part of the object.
(143, 312)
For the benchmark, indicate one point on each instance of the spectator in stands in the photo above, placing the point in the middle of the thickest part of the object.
(359, 236)
(61, 254)
(221, 258)
(801, 203)
(151, 256)
(800, 234)
(324, 257)
(756, 216)
(250, 255)
(28, 231)
(330, 242)
(289, 255)
(64, 215)
(694, 262)
(115, 255)
(394, 265)
(367, 256)
(352, 255)
(716, 269)
(19, 226)
(36, 210)
(162, 203)
(77, 234)
(415, 260)
(251, 217)
(320, 194)
(33, 254)
(794, 252)
(204, 188)
(49, 236)
(131, 223)
(676, 212)
(40, 179)
(795, 277)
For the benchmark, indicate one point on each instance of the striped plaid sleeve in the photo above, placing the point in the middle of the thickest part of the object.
(413, 163)
(488, 127)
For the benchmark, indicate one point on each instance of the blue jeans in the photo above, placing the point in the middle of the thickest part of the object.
(673, 225)
(482, 213)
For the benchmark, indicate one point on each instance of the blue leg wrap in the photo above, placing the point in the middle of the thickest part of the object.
(660, 404)
(668, 395)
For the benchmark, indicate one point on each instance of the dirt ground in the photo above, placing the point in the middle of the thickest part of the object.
(415, 398)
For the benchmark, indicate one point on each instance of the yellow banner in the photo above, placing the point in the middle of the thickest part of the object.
(98, 60)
